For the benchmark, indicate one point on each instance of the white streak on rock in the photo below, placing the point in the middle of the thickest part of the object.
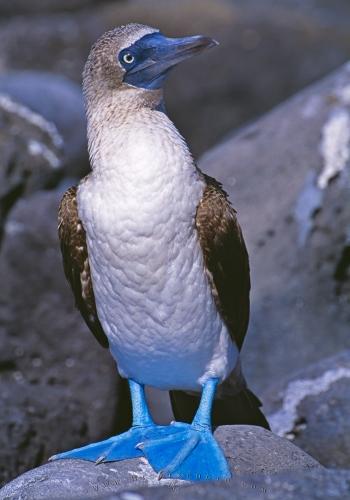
(334, 146)
(30, 116)
(308, 202)
(129, 495)
(148, 475)
(36, 148)
(311, 106)
(343, 94)
(283, 421)
(12, 228)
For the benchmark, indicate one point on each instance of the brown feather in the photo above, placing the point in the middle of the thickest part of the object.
(225, 257)
(76, 262)
(227, 266)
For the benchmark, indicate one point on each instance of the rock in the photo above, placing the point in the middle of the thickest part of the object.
(7, 356)
(249, 450)
(313, 485)
(287, 175)
(253, 450)
(311, 408)
(244, 77)
(60, 102)
(31, 153)
(35, 421)
(59, 388)
(20, 7)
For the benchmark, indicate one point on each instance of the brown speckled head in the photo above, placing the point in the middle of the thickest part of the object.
(103, 74)
(129, 64)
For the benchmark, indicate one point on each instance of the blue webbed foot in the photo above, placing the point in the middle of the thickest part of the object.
(191, 453)
(118, 447)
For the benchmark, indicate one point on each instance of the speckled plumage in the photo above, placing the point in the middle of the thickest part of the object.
(76, 262)
(169, 268)
(152, 295)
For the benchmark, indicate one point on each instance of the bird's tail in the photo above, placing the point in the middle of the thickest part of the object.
(241, 408)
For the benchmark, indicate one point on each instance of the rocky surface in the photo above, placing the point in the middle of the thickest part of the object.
(59, 101)
(312, 409)
(35, 421)
(312, 485)
(268, 51)
(31, 153)
(249, 450)
(59, 388)
(20, 7)
(288, 177)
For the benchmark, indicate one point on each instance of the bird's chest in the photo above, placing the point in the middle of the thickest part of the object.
(152, 294)
(139, 209)
(144, 253)
(141, 242)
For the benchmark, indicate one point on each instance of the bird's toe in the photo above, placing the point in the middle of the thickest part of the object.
(191, 454)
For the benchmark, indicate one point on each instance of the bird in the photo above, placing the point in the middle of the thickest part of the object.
(157, 262)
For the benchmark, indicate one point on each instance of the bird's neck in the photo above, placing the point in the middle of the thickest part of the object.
(137, 147)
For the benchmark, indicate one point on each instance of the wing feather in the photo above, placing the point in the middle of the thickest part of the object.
(226, 258)
(76, 262)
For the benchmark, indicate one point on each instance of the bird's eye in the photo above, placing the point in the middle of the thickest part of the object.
(128, 58)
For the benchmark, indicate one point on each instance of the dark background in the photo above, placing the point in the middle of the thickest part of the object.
(269, 50)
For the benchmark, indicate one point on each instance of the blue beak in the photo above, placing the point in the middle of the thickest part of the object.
(154, 55)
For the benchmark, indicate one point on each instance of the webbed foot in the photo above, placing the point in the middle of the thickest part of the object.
(191, 454)
(118, 447)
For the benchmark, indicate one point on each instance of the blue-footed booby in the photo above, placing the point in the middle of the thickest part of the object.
(157, 262)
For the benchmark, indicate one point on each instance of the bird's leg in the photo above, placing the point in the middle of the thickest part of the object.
(192, 453)
(123, 446)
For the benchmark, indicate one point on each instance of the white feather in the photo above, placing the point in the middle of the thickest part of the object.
(152, 295)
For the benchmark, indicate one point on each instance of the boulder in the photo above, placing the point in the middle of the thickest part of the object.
(20, 7)
(250, 450)
(268, 51)
(31, 153)
(288, 175)
(312, 407)
(320, 484)
(35, 420)
(60, 102)
(59, 388)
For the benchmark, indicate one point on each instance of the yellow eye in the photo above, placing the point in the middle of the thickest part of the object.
(128, 58)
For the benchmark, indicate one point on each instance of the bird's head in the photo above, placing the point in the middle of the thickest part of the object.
(135, 59)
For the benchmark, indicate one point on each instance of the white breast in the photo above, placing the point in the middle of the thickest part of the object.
(152, 295)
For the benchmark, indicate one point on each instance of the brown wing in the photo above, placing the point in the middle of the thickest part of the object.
(76, 262)
(225, 257)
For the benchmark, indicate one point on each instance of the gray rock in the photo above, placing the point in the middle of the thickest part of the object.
(220, 90)
(60, 102)
(20, 7)
(253, 450)
(59, 388)
(249, 450)
(35, 420)
(310, 485)
(297, 245)
(31, 153)
(312, 409)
